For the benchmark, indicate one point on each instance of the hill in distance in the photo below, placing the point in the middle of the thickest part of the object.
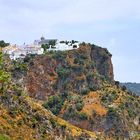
(134, 87)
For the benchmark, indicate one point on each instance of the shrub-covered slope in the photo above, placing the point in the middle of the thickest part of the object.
(22, 118)
(77, 71)
(77, 86)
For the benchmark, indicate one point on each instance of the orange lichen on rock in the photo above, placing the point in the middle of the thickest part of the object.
(92, 103)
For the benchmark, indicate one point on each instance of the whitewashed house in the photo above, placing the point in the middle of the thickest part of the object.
(16, 52)
(13, 51)
(64, 47)
(33, 49)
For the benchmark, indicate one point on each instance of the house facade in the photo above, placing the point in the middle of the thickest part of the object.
(16, 52)
(64, 47)
(33, 49)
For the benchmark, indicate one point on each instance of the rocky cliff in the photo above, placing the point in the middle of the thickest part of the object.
(72, 71)
(78, 86)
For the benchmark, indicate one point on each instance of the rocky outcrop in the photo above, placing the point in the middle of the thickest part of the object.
(71, 71)
(102, 59)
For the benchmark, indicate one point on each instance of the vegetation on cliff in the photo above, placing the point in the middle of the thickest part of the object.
(23, 118)
(67, 95)
(79, 86)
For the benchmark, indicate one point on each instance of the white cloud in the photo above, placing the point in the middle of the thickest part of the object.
(44, 16)
(79, 11)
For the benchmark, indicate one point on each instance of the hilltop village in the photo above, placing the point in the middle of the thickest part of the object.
(39, 47)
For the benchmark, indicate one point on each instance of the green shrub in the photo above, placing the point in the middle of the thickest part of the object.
(78, 69)
(13, 111)
(79, 106)
(19, 66)
(52, 42)
(4, 137)
(59, 55)
(70, 113)
(82, 56)
(76, 61)
(93, 87)
(3, 44)
(63, 127)
(54, 104)
(85, 91)
(63, 72)
(45, 46)
(109, 97)
(79, 61)
(83, 116)
(83, 44)
(90, 76)
(53, 122)
(5, 77)
(124, 88)
(112, 113)
(62, 41)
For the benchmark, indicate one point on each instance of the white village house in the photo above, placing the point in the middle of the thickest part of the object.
(16, 52)
(13, 51)
(32, 49)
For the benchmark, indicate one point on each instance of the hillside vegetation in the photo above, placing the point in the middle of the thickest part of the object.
(69, 95)
(22, 118)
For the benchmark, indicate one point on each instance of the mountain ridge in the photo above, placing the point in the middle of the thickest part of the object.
(133, 87)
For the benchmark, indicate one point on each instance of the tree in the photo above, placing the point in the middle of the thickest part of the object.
(54, 104)
(72, 41)
(4, 76)
(52, 42)
(45, 46)
(3, 44)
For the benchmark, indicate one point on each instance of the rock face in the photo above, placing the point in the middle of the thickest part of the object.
(103, 62)
(71, 71)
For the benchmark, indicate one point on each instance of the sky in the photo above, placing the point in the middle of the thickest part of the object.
(112, 24)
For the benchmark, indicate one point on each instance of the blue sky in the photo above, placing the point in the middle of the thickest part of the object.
(108, 23)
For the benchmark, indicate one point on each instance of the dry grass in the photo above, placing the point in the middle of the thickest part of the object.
(92, 103)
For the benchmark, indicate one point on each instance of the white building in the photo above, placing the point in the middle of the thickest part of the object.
(16, 52)
(33, 49)
(13, 51)
(64, 47)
